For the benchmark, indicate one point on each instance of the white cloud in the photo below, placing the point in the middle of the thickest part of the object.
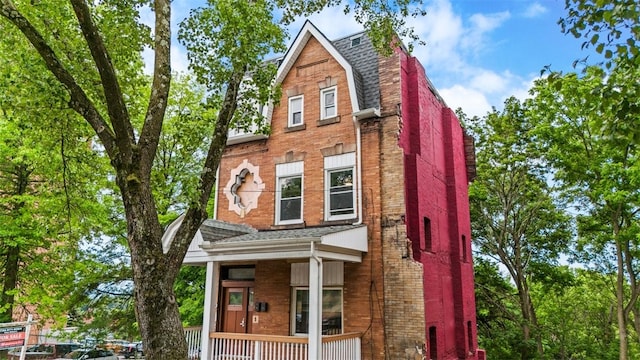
(489, 81)
(534, 10)
(332, 22)
(442, 31)
(475, 36)
(473, 102)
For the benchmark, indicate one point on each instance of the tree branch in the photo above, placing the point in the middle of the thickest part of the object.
(113, 94)
(79, 101)
(152, 127)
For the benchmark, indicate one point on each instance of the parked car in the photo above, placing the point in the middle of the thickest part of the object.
(90, 354)
(133, 350)
(115, 345)
(43, 351)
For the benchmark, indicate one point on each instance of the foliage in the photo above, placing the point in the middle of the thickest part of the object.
(497, 311)
(516, 219)
(593, 149)
(93, 49)
(384, 20)
(612, 27)
(49, 179)
(579, 320)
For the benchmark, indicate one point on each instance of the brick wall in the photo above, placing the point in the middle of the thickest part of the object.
(403, 276)
(314, 68)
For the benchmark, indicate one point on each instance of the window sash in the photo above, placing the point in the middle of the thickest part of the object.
(331, 311)
(340, 195)
(295, 111)
(329, 106)
(290, 199)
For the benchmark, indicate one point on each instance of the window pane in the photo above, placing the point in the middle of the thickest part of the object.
(331, 311)
(342, 178)
(235, 298)
(296, 118)
(329, 98)
(290, 209)
(291, 187)
(341, 203)
(302, 311)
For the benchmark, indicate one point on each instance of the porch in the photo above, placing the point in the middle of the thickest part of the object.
(234, 346)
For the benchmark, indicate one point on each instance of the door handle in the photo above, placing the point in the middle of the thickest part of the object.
(242, 323)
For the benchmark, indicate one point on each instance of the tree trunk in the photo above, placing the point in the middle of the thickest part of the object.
(10, 282)
(622, 323)
(636, 321)
(530, 320)
(156, 307)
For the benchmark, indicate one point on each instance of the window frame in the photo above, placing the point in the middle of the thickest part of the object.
(288, 171)
(329, 193)
(290, 117)
(293, 312)
(323, 104)
(332, 164)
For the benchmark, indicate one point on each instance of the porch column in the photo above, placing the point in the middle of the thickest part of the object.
(315, 305)
(208, 318)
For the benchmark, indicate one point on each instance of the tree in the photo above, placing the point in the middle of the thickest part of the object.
(130, 135)
(515, 219)
(593, 149)
(578, 316)
(499, 319)
(612, 27)
(47, 197)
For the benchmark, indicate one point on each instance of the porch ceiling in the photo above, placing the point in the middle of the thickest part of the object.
(233, 242)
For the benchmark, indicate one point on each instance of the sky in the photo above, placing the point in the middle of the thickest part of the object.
(477, 52)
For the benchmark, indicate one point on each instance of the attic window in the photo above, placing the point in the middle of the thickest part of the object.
(355, 41)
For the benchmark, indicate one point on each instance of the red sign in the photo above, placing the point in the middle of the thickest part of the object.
(12, 337)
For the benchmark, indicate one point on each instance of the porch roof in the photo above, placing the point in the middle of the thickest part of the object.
(224, 241)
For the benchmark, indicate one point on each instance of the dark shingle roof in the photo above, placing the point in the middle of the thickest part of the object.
(220, 232)
(364, 59)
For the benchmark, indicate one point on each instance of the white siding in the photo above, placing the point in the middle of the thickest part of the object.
(332, 273)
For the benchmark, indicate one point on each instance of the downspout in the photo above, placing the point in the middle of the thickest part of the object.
(357, 116)
(315, 304)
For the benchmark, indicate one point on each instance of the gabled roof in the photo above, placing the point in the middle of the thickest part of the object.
(309, 30)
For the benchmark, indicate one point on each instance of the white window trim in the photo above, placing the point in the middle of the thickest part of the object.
(293, 308)
(333, 89)
(290, 112)
(338, 162)
(285, 171)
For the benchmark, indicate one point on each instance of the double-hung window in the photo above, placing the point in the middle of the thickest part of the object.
(340, 196)
(296, 111)
(289, 193)
(328, 104)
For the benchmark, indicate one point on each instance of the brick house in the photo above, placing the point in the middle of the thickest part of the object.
(345, 233)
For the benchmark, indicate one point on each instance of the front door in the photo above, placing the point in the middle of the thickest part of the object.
(237, 307)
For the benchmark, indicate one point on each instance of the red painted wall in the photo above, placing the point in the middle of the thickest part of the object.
(437, 188)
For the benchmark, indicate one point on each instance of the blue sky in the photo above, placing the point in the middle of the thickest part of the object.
(477, 52)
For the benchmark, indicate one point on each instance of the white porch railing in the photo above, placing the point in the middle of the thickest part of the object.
(231, 346)
(193, 335)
